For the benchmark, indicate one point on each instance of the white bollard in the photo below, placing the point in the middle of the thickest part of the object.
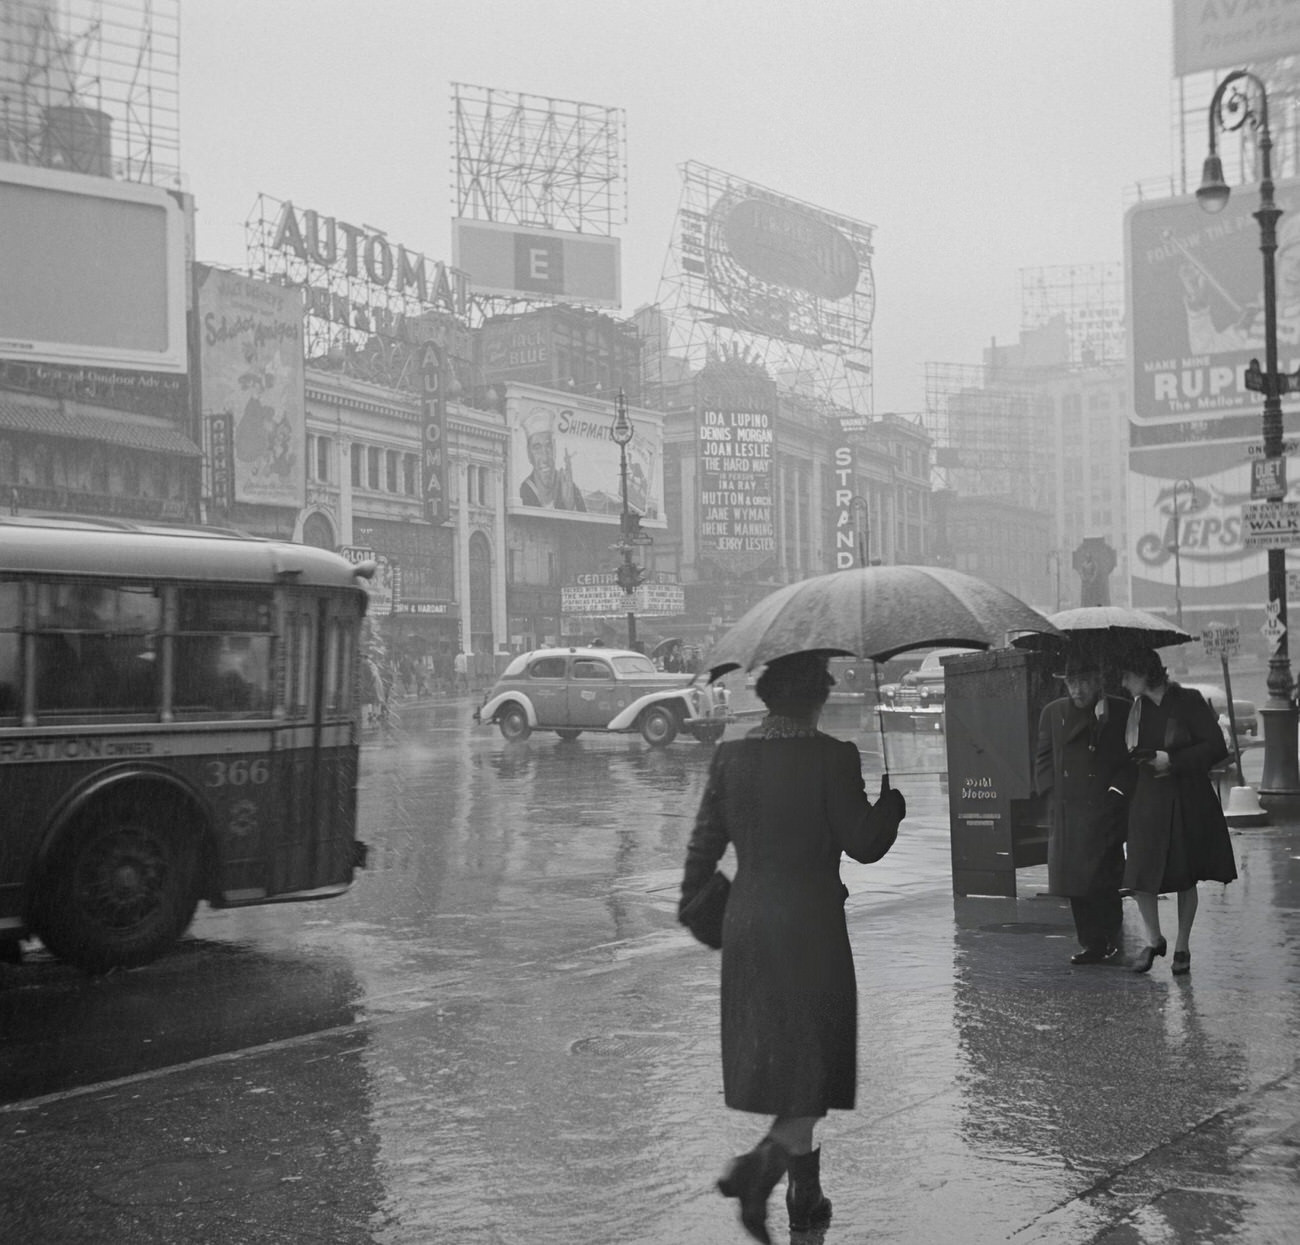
(1243, 808)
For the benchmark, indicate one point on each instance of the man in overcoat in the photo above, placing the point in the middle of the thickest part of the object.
(1082, 761)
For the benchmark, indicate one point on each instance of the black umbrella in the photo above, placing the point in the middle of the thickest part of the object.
(876, 612)
(1106, 631)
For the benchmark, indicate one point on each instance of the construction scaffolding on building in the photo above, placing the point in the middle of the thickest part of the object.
(779, 282)
(1089, 298)
(92, 86)
(991, 436)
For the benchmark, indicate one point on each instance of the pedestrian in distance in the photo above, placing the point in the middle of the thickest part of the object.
(1082, 763)
(790, 799)
(1177, 835)
(460, 665)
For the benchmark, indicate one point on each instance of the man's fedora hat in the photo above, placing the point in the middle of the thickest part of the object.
(1078, 664)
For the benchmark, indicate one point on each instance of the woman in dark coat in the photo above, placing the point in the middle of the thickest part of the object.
(1177, 835)
(791, 800)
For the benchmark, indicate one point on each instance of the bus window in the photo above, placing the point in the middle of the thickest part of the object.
(341, 638)
(223, 653)
(302, 632)
(11, 686)
(97, 648)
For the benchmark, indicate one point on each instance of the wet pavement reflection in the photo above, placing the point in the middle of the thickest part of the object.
(502, 1035)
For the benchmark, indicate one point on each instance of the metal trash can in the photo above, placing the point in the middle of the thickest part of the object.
(997, 824)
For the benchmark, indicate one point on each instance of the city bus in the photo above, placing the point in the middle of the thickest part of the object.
(179, 722)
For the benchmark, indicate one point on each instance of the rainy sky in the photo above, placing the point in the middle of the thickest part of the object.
(979, 137)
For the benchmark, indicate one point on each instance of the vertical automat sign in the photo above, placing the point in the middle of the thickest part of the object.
(433, 416)
(736, 482)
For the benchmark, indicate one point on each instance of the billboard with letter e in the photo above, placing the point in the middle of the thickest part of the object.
(518, 261)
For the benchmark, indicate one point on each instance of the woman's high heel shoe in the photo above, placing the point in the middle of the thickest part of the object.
(1147, 956)
(1182, 963)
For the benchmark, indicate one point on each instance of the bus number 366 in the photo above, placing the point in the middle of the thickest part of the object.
(237, 773)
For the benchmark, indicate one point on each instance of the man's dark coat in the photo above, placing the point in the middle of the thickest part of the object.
(1079, 758)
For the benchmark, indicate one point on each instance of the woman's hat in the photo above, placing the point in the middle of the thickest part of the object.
(797, 677)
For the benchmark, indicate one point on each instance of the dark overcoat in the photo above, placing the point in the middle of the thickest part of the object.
(789, 994)
(1177, 834)
(1078, 759)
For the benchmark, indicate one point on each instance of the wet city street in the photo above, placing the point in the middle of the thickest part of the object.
(501, 1035)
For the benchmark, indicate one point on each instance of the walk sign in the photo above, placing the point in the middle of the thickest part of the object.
(1270, 524)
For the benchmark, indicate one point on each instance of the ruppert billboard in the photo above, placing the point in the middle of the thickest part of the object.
(1195, 302)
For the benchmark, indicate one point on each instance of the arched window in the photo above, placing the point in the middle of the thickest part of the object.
(480, 590)
(318, 530)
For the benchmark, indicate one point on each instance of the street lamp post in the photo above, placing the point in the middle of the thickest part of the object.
(629, 574)
(1242, 96)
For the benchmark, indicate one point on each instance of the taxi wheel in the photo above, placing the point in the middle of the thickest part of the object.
(709, 734)
(514, 723)
(567, 735)
(658, 726)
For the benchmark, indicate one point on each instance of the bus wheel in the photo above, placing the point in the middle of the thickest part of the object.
(568, 734)
(121, 888)
(514, 723)
(658, 726)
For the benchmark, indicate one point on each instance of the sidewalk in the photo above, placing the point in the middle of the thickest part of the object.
(1019, 1098)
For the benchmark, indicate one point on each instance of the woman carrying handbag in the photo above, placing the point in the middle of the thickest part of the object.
(791, 800)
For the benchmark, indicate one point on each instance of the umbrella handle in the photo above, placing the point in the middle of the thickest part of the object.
(880, 721)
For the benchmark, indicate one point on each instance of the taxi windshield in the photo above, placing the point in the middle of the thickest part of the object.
(634, 665)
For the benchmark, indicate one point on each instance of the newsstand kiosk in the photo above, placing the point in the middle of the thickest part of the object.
(992, 704)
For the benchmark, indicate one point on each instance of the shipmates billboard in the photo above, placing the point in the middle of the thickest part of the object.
(565, 463)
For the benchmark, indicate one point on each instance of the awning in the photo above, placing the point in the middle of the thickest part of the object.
(16, 416)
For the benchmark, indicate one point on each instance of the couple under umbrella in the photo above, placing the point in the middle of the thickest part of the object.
(791, 800)
(1133, 810)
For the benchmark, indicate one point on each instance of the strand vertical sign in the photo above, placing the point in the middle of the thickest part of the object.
(433, 418)
(846, 534)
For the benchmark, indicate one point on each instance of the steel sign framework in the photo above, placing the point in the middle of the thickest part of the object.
(532, 160)
(787, 283)
(92, 86)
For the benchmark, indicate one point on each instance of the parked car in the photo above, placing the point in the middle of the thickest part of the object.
(916, 701)
(1242, 710)
(571, 690)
